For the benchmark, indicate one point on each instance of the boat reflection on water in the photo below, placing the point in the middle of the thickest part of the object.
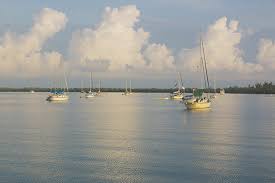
(199, 110)
(58, 101)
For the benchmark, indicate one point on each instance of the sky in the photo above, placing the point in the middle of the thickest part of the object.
(145, 41)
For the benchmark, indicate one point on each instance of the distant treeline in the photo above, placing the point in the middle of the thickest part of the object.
(144, 90)
(137, 90)
(258, 88)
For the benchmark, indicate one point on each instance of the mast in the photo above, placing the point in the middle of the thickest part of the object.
(55, 83)
(66, 84)
(205, 65)
(126, 90)
(130, 86)
(202, 63)
(181, 82)
(90, 82)
(99, 86)
(215, 84)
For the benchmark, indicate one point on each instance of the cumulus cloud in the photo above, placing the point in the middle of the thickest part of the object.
(22, 55)
(118, 42)
(222, 50)
(266, 53)
(159, 57)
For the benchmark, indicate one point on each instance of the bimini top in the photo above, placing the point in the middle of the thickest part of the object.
(198, 92)
(58, 92)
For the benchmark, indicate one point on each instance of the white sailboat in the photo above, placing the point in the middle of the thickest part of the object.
(215, 92)
(98, 93)
(59, 94)
(222, 91)
(179, 94)
(199, 101)
(130, 88)
(82, 90)
(90, 94)
(126, 92)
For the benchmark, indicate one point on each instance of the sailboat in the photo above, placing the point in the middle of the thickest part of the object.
(222, 92)
(199, 101)
(90, 94)
(126, 92)
(126, 89)
(130, 88)
(81, 90)
(215, 91)
(98, 93)
(179, 94)
(59, 94)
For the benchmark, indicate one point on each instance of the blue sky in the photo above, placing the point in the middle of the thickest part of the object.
(175, 23)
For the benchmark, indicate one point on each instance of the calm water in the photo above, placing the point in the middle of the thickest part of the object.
(137, 138)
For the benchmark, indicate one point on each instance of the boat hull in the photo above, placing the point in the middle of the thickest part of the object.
(197, 105)
(213, 96)
(98, 94)
(89, 96)
(126, 93)
(58, 98)
(177, 97)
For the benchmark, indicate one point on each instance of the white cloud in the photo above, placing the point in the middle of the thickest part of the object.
(159, 57)
(21, 54)
(266, 53)
(222, 50)
(119, 44)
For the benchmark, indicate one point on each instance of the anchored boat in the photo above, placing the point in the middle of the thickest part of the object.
(199, 100)
(222, 92)
(59, 94)
(126, 92)
(98, 93)
(179, 94)
(90, 94)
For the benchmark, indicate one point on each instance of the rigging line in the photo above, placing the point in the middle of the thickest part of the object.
(181, 79)
(205, 65)
(202, 65)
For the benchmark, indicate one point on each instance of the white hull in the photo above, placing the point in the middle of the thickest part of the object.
(177, 97)
(90, 95)
(126, 93)
(222, 92)
(58, 98)
(98, 94)
(213, 96)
